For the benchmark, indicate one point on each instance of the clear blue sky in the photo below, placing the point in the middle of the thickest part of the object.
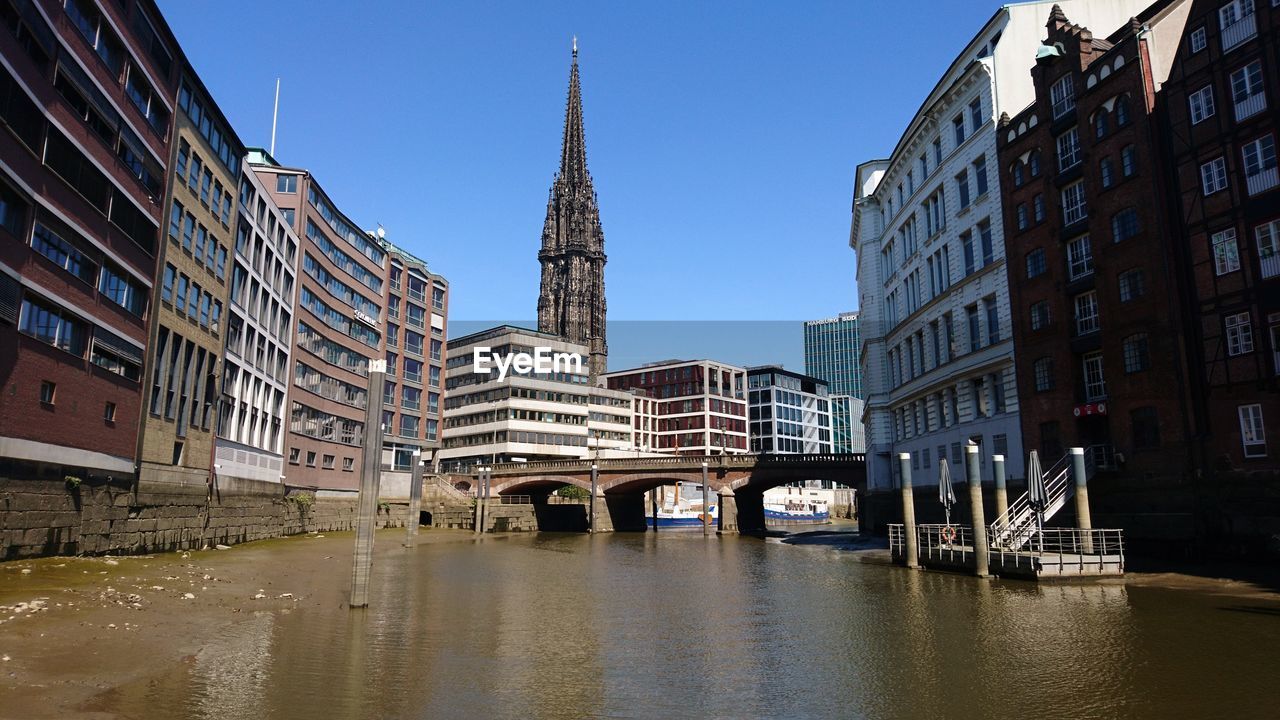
(722, 137)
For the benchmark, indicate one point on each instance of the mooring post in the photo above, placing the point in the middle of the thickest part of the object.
(908, 512)
(981, 552)
(476, 524)
(706, 503)
(591, 503)
(1083, 517)
(653, 505)
(371, 472)
(1002, 491)
(415, 499)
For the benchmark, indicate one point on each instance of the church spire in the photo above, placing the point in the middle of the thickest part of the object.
(573, 150)
(571, 300)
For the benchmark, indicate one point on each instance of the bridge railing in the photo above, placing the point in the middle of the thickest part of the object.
(681, 461)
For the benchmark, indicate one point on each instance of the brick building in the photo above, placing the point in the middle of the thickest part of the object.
(339, 328)
(1220, 127)
(699, 406)
(1100, 354)
(86, 116)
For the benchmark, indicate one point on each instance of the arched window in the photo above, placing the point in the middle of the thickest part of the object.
(1100, 124)
(1034, 163)
(1122, 111)
(1018, 178)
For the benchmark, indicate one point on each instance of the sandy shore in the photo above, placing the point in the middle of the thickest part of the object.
(72, 630)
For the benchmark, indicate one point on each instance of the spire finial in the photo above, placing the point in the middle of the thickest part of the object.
(575, 46)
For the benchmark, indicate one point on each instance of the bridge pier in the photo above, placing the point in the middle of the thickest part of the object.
(728, 512)
(601, 520)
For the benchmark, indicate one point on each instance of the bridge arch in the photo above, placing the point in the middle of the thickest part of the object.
(534, 484)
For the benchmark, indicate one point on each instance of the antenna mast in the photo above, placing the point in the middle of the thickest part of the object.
(275, 113)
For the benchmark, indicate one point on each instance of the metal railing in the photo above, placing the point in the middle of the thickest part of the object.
(514, 499)
(1262, 181)
(1019, 522)
(1270, 265)
(951, 544)
(682, 461)
(1251, 105)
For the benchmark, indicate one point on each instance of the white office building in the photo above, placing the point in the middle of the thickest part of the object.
(259, 335)
(790, 413)
(526, 416)
(937, 358)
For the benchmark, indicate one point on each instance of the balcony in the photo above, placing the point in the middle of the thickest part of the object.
(1262, 181)
(1251, 105)
(1239, 31)
(1270, 264)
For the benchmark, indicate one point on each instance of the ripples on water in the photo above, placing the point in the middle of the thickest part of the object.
(567, 626)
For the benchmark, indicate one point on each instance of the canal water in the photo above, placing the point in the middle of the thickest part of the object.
(675, 625)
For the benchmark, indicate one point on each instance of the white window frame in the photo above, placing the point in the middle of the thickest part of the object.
(1074, 206)
(1063, 95)
(1253, 433)
(1260, 171)
(1095, 379)
(1198, 40)
(1079, 258)
(1226, 252)
(1086, 313)
(1213, 175)
(1068, 144)
(1267, 239)
(1239, 330)
(1246, 84)
(1200, 104)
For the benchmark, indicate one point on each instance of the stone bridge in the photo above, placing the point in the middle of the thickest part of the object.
(618, 503)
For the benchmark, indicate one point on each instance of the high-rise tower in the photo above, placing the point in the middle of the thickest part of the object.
(571, 300)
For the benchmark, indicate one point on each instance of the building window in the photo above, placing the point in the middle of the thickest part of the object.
(1236, 23)
(1213, 175)
(993, 321)
(63, 254)
(327, 462)
(1226, 254)
(1136, 355)
(1260, 172)
(311, 458)
(1267, 237)
(1040, 315)
(109, 412)
(1086, 305)
(1122, 111)
(1037, 207)
(1063, 96)
(1035, 263)
(1239, 334)
(294, 454)
(1145, 427)
(1101, 124)
(1201, 103)
(1079, 258)
(47, 392)
(50, 325)
(1095, 384)
(1246, 91)
(1019, 175)
(348, 464)
(1074, 208)
(1253, 435)
(1068, 150)
(980, 176)
(975, 115)
(287, 184)
(975, 331)
(1124, 224)
(957, 129)
(1129, 161)
(1021, 213)
(1132, 285)
(1197, 40)
(962, 187)
(1108, 171)
(1033, 163)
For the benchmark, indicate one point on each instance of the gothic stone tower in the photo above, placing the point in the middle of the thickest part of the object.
(571, 299)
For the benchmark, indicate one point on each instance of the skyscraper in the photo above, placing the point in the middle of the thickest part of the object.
(831, 353)
(571, 300)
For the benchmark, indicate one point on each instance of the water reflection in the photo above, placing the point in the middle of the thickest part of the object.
(680, 625)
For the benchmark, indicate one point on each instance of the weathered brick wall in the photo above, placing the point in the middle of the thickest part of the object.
(46, 517)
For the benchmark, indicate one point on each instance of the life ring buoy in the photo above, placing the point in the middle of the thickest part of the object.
(948, 534)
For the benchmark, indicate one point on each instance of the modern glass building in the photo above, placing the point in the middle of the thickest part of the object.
(831, 353)
(790, 412)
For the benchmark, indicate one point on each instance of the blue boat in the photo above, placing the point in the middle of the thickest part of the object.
(681, 518)
(797, 512)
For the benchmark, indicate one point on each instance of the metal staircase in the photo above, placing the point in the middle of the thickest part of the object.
(1019, 525)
